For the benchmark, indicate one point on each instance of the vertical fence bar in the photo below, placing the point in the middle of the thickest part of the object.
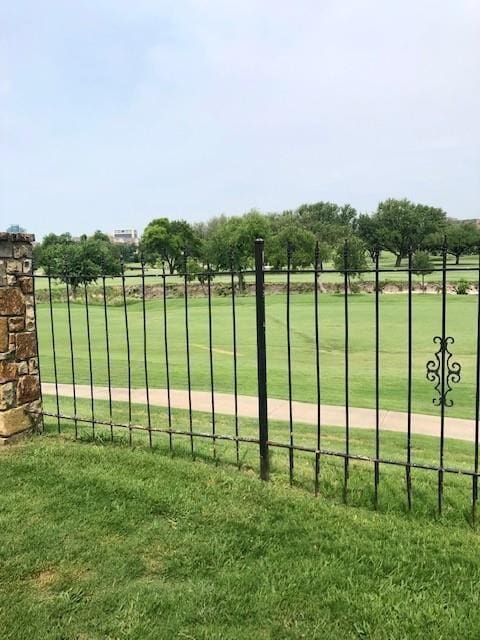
(210, 349)
(289, 366)
(145, 355)
(72, 354)
(41, 417)
(187, 348)
(167, 364)
(129, 364)
(408, 468)
(235, 370)
(347, 371)
(317, 368)
(477, 404)
(107, 346)
(442, 381)
(54, 351)
(90, 364)
(377, 379)
(261, 359)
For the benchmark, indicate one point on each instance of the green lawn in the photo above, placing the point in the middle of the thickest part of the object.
(100, 541)
(461, 324)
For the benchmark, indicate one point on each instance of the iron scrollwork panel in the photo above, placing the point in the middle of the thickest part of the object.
(451, 373)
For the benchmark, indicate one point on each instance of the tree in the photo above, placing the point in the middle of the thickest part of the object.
(368, 231)
(326, 213)
(230, 244)
(99, 235)
(301, 242)
(128, 252)
(461, 239)
(166, 240)
(197, 270)
(78, 262)
(403, 225)
(350, 256)
(422, 265)
(327, 220)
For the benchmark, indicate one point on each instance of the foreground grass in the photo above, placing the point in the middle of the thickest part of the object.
(100, 541)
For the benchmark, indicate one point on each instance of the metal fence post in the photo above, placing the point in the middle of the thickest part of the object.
(261, 359)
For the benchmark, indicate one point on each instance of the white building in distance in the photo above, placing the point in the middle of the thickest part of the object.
(125, 236)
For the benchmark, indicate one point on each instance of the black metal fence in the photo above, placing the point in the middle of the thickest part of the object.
(68, 361)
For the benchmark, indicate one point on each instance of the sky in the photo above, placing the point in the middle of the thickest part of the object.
(114, 112)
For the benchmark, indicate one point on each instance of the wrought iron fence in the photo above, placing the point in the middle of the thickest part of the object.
(62, 351)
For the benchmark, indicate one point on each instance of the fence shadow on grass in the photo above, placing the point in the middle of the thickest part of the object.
(361, 493)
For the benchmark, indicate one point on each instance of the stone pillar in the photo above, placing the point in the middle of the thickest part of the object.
(19, 373)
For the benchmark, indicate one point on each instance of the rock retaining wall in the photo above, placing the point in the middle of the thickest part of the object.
(19, 373)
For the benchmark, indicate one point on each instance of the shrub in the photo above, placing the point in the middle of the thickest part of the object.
(462, 287)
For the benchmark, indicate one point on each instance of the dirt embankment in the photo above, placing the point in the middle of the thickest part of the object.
(197, 290)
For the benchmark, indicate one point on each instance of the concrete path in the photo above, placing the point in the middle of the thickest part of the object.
(303, 412)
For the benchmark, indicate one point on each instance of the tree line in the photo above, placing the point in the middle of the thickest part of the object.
(299, 237)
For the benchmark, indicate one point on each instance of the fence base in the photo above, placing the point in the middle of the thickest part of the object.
(17, 437)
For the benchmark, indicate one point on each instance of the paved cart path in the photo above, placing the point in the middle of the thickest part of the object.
(303, 412)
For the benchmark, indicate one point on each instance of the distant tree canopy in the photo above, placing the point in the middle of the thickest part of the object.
(128, 252)
(397, 226)
(327, 220)
(369, 231)
(230, 244)
(294, 238)
(78, 262)
(231, 241)
(461, 239)
(167, 240)
(225, 242)
(402, 226)
(422, 265)
(349, 256)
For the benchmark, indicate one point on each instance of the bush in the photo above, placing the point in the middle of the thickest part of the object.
(462, 287)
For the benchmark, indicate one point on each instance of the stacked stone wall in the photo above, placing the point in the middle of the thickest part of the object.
(20, 397)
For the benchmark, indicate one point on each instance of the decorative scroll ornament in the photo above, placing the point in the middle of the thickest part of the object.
(451, 372)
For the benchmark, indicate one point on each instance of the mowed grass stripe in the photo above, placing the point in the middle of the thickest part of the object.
(461, 323)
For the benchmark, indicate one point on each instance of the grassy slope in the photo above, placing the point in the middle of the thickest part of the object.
(461, 325)
(105, 542)
(425, 450)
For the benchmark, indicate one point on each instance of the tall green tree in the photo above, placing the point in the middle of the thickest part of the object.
(368, 230)
(404, 225)
(462, 239)
(422, 265)
(232, 240)
(302, 246)
(327, 213)
(350, 256)
(327, 220)
(78, 262)
(128, 252)
(166, 240)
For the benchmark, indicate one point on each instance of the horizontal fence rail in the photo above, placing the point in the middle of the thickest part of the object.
(261, 372)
